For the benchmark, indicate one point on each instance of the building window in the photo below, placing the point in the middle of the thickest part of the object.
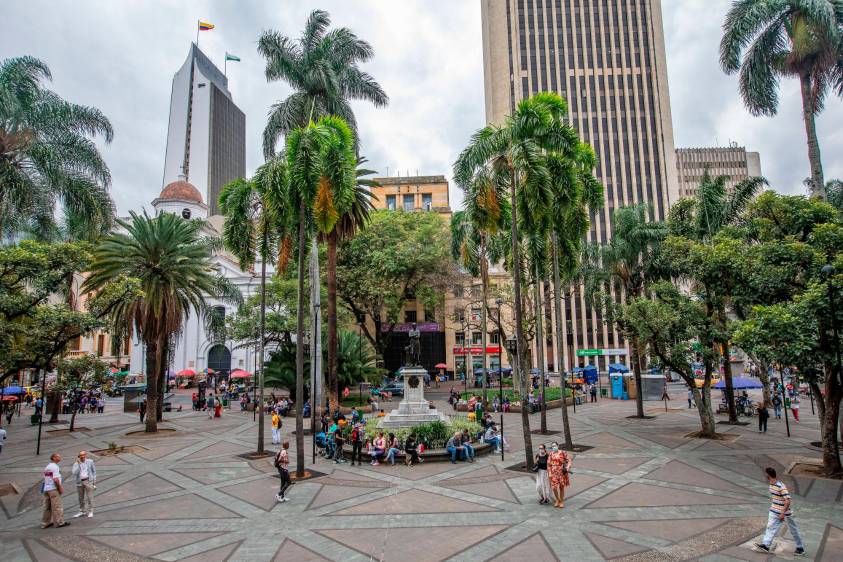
(409, 316)
(75, 344)
(495, 337)
(427, 201)
(409, 202)
(476, 338)
(459, 315)
(429, 315)
(459, 338)
(100, 345)
(475, 315)
(458, 291)
(390, 202)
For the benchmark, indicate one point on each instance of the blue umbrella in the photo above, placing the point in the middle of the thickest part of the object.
(13, 390)
(739, 383)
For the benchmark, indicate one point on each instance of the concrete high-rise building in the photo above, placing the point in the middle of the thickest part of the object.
(732, 161)
(206, 136)
(607, 59)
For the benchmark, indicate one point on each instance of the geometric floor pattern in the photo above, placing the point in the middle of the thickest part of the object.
(643, 492)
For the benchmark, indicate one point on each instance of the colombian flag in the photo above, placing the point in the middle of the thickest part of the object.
(205, 26)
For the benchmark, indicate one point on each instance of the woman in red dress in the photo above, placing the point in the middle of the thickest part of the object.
(558, 467)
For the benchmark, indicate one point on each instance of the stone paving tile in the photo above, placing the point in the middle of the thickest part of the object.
(647, 495)
(151, 543)
(612, 465)
(680, 473)
(219, 554)
(291, 550)
(414, 502)
(143, 486)
(673, 531)
(831, 549)
(613, 548)
(532, 548)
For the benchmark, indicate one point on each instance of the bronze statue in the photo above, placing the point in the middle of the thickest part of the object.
(412, 352)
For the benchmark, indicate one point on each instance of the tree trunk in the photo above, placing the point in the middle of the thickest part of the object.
(332, 383)
(636, 371)
(262, 336)
(162, 379)
(53, 403)
(702, 397)
(152, 356)
(764, 377)
(817, 180)
(540, 350)
(72, 419)
(831, 446)
(484, 289)
(300, 312)
(519, 328)
(557, 305)
(730, 387)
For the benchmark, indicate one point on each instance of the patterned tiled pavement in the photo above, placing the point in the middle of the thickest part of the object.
(643, 492)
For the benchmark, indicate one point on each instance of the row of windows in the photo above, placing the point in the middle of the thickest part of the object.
(493, 338)
(408, 202)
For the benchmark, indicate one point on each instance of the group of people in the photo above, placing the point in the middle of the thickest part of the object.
(84, 473)
(553, 469)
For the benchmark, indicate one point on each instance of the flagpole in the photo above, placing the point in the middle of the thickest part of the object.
(197, 33)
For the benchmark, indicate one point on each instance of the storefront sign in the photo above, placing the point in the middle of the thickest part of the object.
(476, 350)
(421, 326)
(595, 352)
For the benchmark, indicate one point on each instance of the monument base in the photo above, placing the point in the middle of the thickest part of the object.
(413, 408)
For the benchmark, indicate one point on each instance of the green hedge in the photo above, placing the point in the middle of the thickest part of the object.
(434, 435)
(552, 393)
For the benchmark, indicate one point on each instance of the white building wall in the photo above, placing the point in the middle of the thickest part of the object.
(177, 127)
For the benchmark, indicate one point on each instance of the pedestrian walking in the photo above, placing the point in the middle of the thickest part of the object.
(593, 392)
(780, 512)
(763, 416)
(777, 405)
(142, 409)
(542, 480)
(558, 468)
(794, 407)
(52, 489)
(282, 463)
(690, 398)
(210, 405)
(85, 473)
(276, 428)
(2, 438)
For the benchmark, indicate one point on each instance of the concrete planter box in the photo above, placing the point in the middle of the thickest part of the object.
(550, 405)
(431, 455)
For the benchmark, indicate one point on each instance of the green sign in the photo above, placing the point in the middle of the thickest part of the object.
(588, 352)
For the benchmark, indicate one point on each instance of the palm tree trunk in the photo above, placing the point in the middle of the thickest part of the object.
(152, 385)
(557, 305)
(262, 335)
(519, 328)
(540, 345)
(484, 289)
(730, 387)
(817, 180)
(300, 312)
(636, 371)
(333, 389)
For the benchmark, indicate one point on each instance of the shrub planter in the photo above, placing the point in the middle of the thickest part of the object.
(433, 455)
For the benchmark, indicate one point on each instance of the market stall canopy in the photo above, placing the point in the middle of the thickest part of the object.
(618, 368)
(13, 390)
(240, 374)
(186, 373)
(739, 383)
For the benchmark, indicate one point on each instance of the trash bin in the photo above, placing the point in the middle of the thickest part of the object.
(604, 392)
(33, 419)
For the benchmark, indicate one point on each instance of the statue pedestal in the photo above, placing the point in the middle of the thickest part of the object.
(413, 408)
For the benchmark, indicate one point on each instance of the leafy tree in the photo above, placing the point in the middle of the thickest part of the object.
(322, 68)
(357, 361)
(257, 226)
(398, 254)
(622, 264)
(172, 264)
(77, 375)
(47, 158)
(765, 40)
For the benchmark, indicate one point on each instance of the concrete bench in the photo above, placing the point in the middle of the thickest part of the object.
(434, 455)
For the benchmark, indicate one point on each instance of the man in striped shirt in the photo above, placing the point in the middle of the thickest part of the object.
(780, 512)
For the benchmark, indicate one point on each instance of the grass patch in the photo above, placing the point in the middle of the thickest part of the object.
(355, 400)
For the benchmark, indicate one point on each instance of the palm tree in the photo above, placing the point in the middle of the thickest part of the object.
(47, 157)
(486, 214)
(712, 210)
(322, 69)
(356, 361)
(256, 225)
(172, 263)
(350, 220)
(321, 166)
(764, 40)
(517, 148)
(621, 264)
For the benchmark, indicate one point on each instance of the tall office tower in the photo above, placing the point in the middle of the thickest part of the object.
(732, 161)
(607, 58)
(206, 137)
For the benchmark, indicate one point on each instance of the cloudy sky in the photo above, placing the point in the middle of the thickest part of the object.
(120, 56)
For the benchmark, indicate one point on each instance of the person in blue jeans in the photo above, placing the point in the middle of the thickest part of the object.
(455, 448)
(491, 436)
(780, 513)
(467, 446)
(392, 448)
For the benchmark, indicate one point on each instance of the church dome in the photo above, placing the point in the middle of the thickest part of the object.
(182, 191)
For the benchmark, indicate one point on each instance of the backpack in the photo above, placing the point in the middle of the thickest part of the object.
(355, 435)
(278, 459)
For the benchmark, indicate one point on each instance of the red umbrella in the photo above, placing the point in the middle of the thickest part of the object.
(186, 373)
(240, 374)
(440, 366)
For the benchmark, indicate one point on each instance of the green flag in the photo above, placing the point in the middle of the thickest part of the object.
(229, 56)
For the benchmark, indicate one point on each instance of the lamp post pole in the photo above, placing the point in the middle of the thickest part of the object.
(512, 348)
(499, 302)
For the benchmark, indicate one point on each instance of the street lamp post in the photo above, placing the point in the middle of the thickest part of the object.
(499, 302)
(317, 375)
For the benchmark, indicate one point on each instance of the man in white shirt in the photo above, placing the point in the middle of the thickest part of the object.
(53, 490)
(86, 482)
